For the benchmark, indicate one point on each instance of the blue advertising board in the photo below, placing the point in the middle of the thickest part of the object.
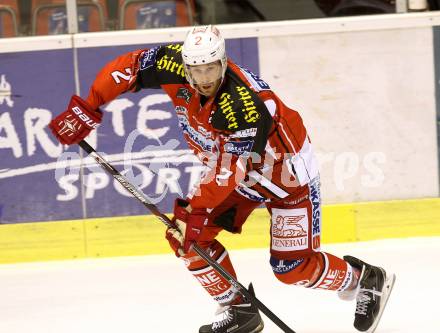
(40, 179)
(33, 87)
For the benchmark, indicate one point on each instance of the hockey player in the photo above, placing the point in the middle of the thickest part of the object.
(258, 151)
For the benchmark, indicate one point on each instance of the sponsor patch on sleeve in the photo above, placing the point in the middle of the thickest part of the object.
(148, 58)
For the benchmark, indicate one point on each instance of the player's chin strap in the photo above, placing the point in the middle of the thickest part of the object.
(162, 217)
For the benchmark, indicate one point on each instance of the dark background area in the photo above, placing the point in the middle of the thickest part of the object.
(232, 11)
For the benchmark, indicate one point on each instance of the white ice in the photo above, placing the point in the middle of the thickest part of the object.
(156, 293)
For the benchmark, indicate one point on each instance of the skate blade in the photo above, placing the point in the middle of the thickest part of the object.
(387, 288)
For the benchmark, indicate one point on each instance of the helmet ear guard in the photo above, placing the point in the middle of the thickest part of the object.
(203, 45)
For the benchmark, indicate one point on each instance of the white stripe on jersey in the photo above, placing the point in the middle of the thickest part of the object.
(305, 164)
(270, 151)
(324, 272)
(287, 137)
(271, 106)
(263, 181)
(241, 165)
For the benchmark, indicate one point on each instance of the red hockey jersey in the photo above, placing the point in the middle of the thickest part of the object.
(251, 142)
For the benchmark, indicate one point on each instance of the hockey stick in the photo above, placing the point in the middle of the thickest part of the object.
(202, 253)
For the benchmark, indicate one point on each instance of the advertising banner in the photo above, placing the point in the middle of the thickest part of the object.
(33, 87)
(40, 180)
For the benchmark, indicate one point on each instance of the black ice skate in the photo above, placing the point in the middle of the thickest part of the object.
(239, 318)
(372, 294)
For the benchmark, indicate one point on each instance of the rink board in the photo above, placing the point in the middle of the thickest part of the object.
(142, 235)
(366, 94)
(368, 99)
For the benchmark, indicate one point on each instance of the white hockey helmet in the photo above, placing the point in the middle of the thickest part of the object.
(203, 45)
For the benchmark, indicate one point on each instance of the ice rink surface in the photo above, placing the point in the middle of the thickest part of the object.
(156, 293)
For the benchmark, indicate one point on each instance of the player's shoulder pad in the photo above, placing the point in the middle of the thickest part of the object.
(169, 63)
(163, 65)
(237, 105)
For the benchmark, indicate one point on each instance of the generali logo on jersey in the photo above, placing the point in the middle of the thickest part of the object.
(289, 229)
